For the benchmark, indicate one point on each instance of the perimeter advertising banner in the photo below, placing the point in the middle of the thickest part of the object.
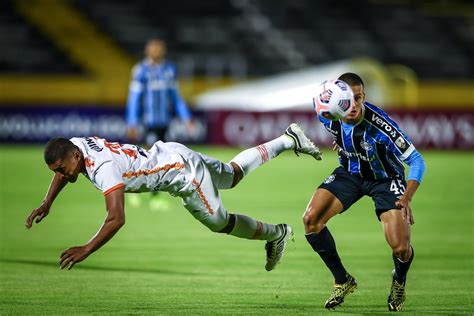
(427, 129)
(38, 125)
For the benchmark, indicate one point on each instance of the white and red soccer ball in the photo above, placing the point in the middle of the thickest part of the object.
(334, 97)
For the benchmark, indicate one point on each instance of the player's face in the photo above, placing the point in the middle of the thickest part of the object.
(155, 50)
(356, 109)
(69, 167)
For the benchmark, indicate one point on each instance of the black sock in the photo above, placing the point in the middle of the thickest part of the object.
(324, 245)
(401, 268)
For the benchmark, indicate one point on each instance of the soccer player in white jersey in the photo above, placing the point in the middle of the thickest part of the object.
(171, 167)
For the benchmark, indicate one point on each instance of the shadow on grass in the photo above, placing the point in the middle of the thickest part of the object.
(96, 268)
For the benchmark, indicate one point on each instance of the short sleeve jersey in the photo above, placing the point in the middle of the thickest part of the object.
(374, 148)
(110, 166)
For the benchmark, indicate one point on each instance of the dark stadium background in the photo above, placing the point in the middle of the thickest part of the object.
(65, 65)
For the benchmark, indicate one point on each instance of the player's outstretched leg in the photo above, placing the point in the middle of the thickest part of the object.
(396, 298)
(339, 291)
(293, 138)
(276, 248)
(243, 226)
(302, 143)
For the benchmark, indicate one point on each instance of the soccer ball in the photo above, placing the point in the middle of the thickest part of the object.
(334, 97)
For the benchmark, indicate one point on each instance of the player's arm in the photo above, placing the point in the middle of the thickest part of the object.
(415, 175)
(134, 104)
(57, 184)
(113, 222)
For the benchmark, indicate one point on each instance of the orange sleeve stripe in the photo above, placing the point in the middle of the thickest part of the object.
(115, 187)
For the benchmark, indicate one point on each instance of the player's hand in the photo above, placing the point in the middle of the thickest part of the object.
(38, 214)
(404, 205)
(72, 256)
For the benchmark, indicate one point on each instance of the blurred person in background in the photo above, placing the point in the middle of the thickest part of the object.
(153, 102)
(153, 99)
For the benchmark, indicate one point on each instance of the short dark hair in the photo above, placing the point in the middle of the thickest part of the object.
(351, 79)
(57, 148)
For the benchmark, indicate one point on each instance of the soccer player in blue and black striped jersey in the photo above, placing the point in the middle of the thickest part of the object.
(154, 99)
(371, 149)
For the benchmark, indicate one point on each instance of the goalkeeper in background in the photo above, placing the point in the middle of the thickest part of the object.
(371, 149)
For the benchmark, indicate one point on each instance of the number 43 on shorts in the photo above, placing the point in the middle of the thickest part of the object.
(397, 187)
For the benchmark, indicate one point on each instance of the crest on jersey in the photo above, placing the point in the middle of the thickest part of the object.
(330, 179)
(401, 143)
(365, 145)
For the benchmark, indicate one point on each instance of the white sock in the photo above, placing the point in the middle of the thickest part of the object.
(249, 228)
(252, 158)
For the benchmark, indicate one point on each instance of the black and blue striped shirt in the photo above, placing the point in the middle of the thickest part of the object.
(375, 147)
(153, 97)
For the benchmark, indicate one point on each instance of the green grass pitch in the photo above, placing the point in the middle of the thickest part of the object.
(165, 262)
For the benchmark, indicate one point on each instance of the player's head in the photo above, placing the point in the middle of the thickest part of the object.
(155, 49)
(64, 158)
(357, 86)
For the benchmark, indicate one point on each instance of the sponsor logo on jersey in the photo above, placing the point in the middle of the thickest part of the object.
(401, 143)
(330, 179)
(365, 145)
(357, 155)
(333, 132)
(384, 125)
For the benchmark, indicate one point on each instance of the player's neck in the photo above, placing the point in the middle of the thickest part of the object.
(155, 61)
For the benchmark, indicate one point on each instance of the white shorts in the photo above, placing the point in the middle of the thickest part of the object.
(205, 203)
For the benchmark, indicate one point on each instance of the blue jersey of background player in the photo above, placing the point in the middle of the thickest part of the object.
(154, 99)
(371, 149)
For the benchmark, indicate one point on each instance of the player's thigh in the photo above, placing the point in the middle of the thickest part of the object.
(385, 193)
(222, 173)
(335, 195)
(397, 232)
(205, 204)
(322, 206)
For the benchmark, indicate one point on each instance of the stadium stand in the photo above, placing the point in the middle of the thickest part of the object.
(255, 38)
(240, 38)
(25, 50)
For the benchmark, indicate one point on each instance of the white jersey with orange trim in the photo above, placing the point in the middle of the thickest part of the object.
(165, 167)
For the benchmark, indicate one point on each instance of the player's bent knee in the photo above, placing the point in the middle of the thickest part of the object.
(229, 227)
(312, 224)
(238, 174)
(402, 251)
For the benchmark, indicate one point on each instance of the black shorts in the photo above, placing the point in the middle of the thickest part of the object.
(349, 188)
(154, 134)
